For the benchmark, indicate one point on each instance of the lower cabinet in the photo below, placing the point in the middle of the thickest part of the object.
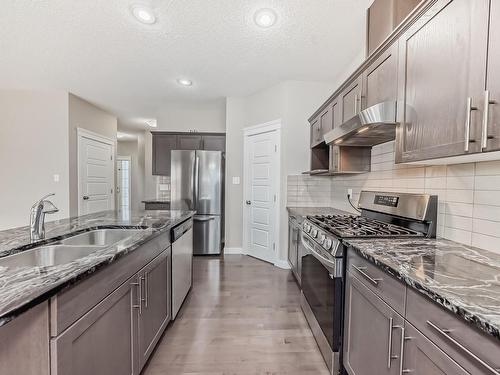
(154, 314)
(372, 333)
(119, 334)
(293, 247)
(99, 343)
(422, 357)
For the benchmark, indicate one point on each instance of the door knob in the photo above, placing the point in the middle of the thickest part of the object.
(248, 203)
(86, 198)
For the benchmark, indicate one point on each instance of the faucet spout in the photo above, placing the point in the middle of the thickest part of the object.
(37, 217)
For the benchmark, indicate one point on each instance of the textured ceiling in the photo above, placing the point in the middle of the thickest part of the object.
(97, 50)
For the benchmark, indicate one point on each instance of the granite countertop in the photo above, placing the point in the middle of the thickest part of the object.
(157, 200)
(462, 279)
(22, 288)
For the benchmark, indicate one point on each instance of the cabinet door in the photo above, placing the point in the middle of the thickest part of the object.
(491, 141)
(422, 357)
(315, 131)
(351, 99)
(162, 145)
(214, 142)
(292, 246)
(155, 312)
(442, 68)
(99, 343)
(325, 122)
(189, 142)
(336, 114)
(372, 332)
(380, 78)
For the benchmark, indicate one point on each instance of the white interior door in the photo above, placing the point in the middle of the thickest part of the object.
(96, 175)
(261, 194)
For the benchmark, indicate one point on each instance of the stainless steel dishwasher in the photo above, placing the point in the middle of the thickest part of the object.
(182, 264)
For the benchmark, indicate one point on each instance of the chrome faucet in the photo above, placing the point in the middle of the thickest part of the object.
(37, 217)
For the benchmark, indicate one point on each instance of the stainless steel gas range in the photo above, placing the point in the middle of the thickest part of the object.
(323, 256)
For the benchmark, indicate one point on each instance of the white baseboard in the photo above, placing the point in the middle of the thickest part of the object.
(282, 264)
(233, 250)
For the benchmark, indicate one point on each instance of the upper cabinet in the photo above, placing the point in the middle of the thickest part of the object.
(165, 142)
(491, 120)
(380, 78)
(383, 17)
(351, 99)
(442, 71)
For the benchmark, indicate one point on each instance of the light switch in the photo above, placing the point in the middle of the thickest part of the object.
(236, 180)
(56, 178)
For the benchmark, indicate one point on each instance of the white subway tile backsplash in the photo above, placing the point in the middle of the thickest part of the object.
(469, 194)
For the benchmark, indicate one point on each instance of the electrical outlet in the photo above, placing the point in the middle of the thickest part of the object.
(349, 193)
(236, 180)
(56, 178)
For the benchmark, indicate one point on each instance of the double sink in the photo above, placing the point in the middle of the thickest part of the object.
(69, 249)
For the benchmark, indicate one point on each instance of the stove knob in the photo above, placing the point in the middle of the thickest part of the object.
(307, 228)
(314, 233)
(322, 238)
(328, 244)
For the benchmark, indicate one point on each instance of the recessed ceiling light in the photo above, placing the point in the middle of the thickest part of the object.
(152, 123)
(185, 82)
(265, 17)
(143, 14)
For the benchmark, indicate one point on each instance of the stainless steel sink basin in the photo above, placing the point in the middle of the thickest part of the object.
(47, 256)
(100, 237)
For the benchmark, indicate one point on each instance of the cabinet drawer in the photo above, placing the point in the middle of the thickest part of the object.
(476, 352)
(390, 290)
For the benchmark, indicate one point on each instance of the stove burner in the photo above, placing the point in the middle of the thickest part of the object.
(358, 226)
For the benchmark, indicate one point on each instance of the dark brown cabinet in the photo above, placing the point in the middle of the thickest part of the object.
(189, 142)
(162, 145)
(372, 332)
(351, 99)
(380, 78)
(316, 137)
(154, 315)
(383, 17)
(99, 343)
(442, 70)
(165, 142)
(491, 126)
(422, 357)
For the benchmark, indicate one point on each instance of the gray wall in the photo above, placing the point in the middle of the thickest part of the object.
(33, 148)
(292, 102)
(85, 115)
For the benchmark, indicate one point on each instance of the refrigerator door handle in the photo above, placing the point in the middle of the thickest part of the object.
(204, 219)
(196, 180)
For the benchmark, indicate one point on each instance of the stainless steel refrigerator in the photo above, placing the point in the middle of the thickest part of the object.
(197, 184)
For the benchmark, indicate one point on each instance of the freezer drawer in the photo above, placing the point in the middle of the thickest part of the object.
(207, 235)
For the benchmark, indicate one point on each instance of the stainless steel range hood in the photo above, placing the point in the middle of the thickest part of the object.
(372, 126)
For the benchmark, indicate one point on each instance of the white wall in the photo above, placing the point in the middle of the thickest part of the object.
(83, 114)
(33, 148)
(293, 102)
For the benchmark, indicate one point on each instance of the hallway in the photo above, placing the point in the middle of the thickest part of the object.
(241, 317)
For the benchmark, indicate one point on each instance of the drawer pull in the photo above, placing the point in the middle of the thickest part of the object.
(389, 351)
(362, 270)
(444, 333)
(139, 305)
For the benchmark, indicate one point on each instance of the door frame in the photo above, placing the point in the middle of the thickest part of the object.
(84, 133)
(129, 159)
(268, 127)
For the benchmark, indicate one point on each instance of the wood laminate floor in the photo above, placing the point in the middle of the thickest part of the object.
(242, 317)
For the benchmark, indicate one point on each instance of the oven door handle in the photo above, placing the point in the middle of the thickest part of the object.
(331, 266)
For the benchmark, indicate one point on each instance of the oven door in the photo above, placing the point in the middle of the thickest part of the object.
(322, 290)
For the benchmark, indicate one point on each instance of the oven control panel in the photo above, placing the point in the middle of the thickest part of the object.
(386, 200)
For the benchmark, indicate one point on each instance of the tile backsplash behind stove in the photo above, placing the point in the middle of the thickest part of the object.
(469, 194)
(163, 187)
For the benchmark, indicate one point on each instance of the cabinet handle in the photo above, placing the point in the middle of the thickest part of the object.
(362, 270)
(142, 295)
(486, 115)
(139, 297)
(355, 104)
(401, 350)
(469, 109)
(389, 349)
(146, 288)
(445, 334)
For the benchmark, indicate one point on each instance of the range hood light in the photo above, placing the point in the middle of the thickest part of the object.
(338, 141)
(362, 130)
